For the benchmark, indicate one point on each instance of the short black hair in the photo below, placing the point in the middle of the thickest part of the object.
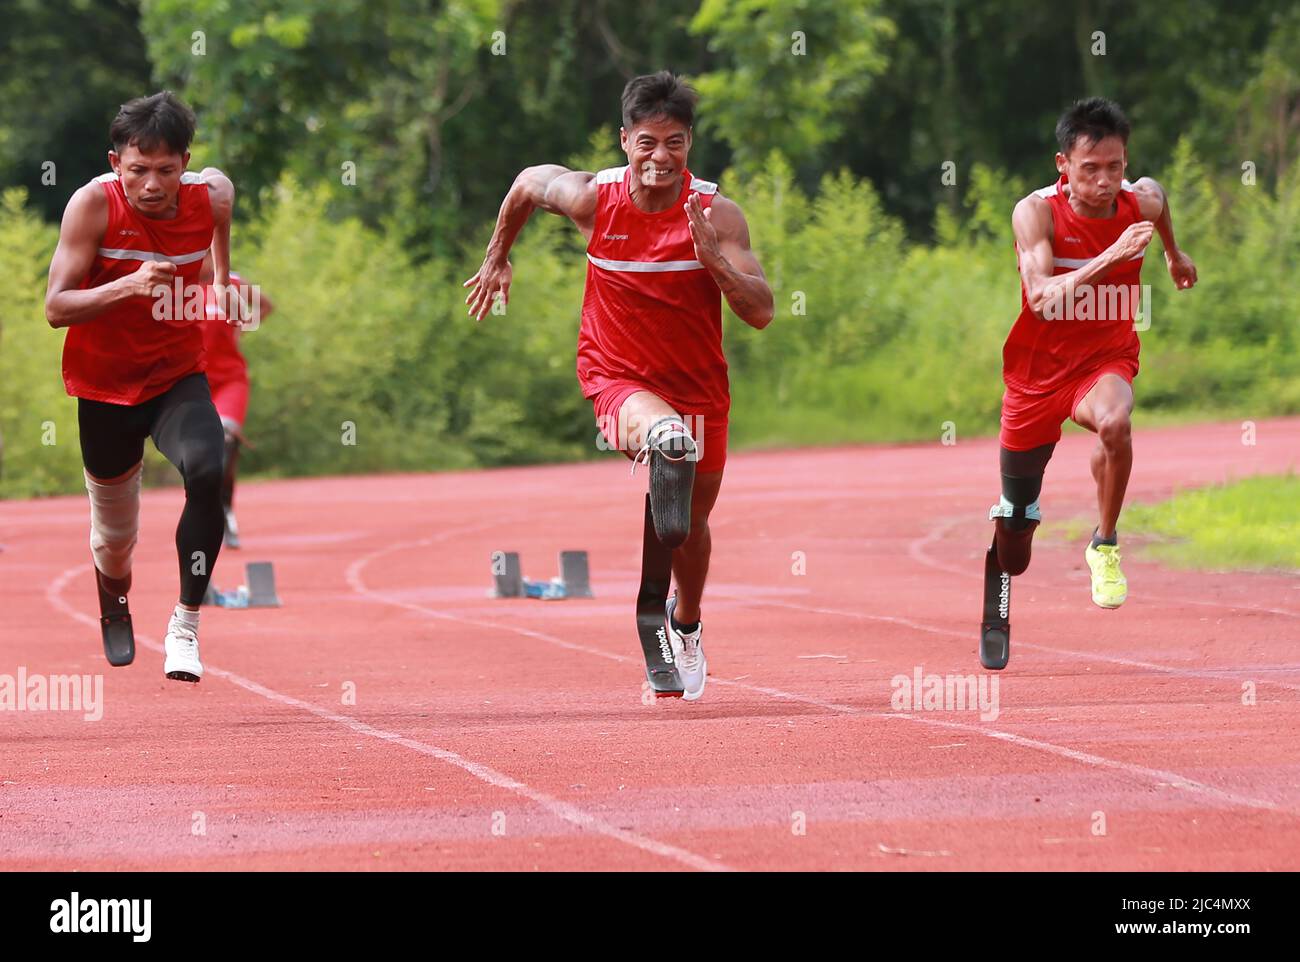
(150, 122)
(1092, 119)
(658, 95)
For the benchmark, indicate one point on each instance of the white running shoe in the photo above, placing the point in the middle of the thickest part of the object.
(688, 655)
(182, 647)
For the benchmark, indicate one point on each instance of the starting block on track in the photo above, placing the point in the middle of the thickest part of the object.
(258, 590)
(574, 580)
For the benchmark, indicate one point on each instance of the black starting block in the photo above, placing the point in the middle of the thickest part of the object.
(574, 580)
(258, 590)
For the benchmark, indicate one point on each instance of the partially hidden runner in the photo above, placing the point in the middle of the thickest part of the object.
(1073, 351)
(663, 248)
(228, 380)
(124, 283)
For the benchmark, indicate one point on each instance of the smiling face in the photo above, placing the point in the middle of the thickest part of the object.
(1095, 170)
(656, 151)
(151, 181)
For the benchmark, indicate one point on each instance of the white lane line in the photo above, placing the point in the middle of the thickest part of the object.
(1159, 776)
(558, 808)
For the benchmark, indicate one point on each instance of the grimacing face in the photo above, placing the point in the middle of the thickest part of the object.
(656, 150)
(150, 181)
(1095, 170)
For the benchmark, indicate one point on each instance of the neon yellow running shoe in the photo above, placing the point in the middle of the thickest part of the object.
(1109, 586)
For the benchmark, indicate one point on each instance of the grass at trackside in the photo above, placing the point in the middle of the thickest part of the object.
(1254, 523)
(1249, 524)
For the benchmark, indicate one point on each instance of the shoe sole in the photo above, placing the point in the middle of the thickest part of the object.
(184, 676)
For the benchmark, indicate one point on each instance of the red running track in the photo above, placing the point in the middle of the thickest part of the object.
(391, 716)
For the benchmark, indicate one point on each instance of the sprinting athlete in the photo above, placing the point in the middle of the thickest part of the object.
(123, 281)
(228, 381)
(663, 249)
(1073, 351)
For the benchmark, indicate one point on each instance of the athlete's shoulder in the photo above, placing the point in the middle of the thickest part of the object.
(192, 179)
(88, 205)
(724, 209)
(1045, 193)
(610, 175)
(1036, 204)
(1150, 196)
(1031, 219)
(95, 191)
(220, 190)
(573, 193)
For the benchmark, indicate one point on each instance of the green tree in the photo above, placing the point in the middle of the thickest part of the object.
(791, 73)
(65, 68)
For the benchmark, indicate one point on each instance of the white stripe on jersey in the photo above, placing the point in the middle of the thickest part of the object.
(121, 254)
(645, 267)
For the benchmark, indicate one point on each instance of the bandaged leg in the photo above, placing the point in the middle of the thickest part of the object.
(1017, 514)
(114, 523)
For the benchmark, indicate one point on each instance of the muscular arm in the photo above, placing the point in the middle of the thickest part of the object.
(554, 189)
(221, 192)
(550, 187)
(1154, 204)
(725, 251)
(80, 236)
(1032, 225)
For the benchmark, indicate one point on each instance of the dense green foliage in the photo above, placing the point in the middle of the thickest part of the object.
(893, 291)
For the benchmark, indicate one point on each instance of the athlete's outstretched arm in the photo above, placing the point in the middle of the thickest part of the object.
(1154, 203)
(721, 238)
(554, 189)
(84, 221)
(1032, 225)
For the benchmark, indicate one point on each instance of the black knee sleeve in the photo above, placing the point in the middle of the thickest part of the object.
(1022, 483)
(1016, 515)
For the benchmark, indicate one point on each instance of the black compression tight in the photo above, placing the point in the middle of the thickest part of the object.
(186, 428)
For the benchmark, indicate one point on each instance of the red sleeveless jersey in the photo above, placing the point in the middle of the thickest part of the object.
(651, 313)
(124, 355)
(224, 360)
(1097, 326)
